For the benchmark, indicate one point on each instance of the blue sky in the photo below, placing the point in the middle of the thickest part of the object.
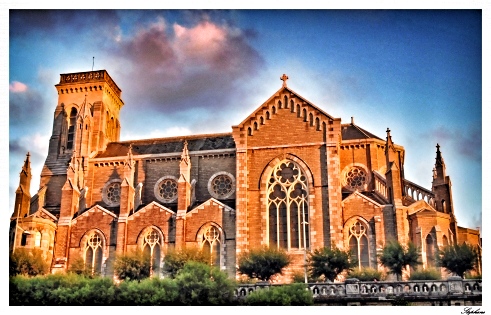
(417, 72)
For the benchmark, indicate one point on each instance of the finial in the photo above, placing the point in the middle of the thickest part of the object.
(388, 130)
(283, 78)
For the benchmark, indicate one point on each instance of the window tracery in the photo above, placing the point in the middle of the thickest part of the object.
(358, 243)
(221, 185)
(93, 252)
(165, 189)
(112, 193)
(211, 243)
(288, 208)
(152, 244)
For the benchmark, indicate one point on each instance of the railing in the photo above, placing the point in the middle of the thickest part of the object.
(453, 286)
(417, 192)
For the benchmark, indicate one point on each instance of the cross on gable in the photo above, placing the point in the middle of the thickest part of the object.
(283, 78)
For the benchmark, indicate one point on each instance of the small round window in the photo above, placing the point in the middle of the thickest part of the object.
(221, 185)
(356, 178)
(166, 189)
(112, 193)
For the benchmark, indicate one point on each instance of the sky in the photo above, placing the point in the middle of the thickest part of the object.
(417, 72)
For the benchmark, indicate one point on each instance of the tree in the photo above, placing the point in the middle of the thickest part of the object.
(175, 260)
(458, 258)
(329, 262)
(79, 267)
(395, 257)
(28, 262)
(201, 284)
(263, 263)
(132, 266)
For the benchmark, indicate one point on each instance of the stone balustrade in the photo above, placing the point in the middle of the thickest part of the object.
(454, 287)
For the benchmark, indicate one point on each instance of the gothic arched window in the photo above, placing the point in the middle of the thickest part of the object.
(71, 129)
(288, 207)
(358, 243)
(152, 244)
(93, 252)
(211, 242)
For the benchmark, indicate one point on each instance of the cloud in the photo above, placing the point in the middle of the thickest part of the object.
(171, 69)
(466, 142)
(22, 104)
(17, 87)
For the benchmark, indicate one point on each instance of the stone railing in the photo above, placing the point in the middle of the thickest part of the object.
(352, 288)
(417, 192)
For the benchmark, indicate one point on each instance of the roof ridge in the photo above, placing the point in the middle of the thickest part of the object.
(186, 137)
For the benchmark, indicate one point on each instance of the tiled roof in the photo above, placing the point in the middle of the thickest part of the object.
(353, 132)
(170, 145)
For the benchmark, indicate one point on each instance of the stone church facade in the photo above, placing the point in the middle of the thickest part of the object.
(289, 176)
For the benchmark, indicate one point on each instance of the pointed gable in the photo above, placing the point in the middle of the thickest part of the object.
(286, 119)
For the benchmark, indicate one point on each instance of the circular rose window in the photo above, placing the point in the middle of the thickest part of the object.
(112, 193)
(356, 178)
(166, 189)
(221, 185)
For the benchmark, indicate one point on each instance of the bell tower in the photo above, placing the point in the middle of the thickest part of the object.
(86, 119)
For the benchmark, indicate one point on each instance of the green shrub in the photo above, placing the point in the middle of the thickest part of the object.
(328, 263)
(428, 274)
(367, 274)
(147, 292)
(473, 276)
(175, 260)
(61, 289)
(132, 266)
(202, 284)
(295, 294)
(28, 262)
(79, 267)
(263, 263)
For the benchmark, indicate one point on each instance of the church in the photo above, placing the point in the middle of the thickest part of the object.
(289, 176)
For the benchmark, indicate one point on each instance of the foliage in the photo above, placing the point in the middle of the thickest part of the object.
(295, 294)
(263, 263)
(28, 262)
(79, 267)
(60, 289)
(299, 277)
(201, 284)
(458, 258)
(175, 260)
(367, 274)
(132, 266)
(147, 292)
(329, 262)
(428, 274)
(396, 257)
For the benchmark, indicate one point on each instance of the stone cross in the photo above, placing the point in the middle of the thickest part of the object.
(284, 78)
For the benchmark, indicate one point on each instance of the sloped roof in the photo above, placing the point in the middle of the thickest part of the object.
(169, 145)
(354, 132)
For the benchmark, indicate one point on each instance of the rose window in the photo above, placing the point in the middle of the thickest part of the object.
(356, 178)
(166, 189)
(112, 193)
(221, 185)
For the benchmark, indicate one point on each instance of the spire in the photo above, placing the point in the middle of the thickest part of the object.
(439, 159)
(185, 165)
(22, 194)
(26, 168)
(440, 172)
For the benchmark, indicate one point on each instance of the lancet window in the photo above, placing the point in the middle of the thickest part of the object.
(211, 244)
(71, 129)
(358, 243)
(152, 244)
(93, 252)
(288, 207)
